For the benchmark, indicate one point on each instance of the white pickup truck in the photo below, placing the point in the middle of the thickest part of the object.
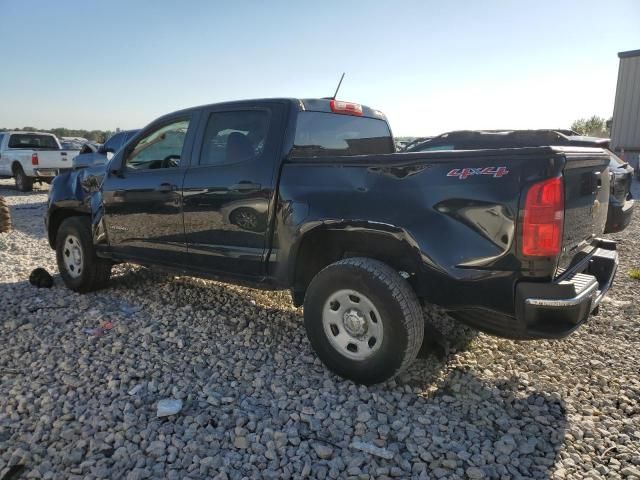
(32, 157)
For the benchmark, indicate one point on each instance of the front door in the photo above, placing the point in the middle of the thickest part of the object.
(143, 205)
(229, 188)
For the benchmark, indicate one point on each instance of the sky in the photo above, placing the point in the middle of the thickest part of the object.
(431, 66)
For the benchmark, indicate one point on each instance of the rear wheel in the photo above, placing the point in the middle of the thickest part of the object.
(81, 269)
(5, 216)
(23, 182)
(363, 320)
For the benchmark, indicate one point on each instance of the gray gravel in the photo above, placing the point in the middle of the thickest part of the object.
(258, 404)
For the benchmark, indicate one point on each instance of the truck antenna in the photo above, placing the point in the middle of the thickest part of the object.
(338, 87)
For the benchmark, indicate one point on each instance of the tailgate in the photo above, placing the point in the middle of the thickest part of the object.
(54, 159)
(587, 187)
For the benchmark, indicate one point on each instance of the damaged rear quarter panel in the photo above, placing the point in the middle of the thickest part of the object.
(457, 229)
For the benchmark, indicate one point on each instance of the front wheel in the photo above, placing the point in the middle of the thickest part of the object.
(81, 269)
(363, 320)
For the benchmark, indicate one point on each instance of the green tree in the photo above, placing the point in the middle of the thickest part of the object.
(592, 127)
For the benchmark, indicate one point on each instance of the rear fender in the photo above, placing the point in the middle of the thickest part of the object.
(321, 243)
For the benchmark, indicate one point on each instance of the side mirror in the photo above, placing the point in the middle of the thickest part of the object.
(104, 150)
(115, 165)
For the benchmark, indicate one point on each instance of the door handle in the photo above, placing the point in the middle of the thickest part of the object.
(166, 187)
(245, 186)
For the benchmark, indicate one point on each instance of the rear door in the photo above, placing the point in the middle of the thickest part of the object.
(229, 189)
(143, 206)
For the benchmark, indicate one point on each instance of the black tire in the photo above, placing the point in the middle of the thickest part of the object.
(5, 216)
(400, 314)
(95, 271)
(23, 182)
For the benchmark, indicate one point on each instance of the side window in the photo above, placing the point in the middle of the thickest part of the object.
(1, 139)
(161, 148)
(232, 137)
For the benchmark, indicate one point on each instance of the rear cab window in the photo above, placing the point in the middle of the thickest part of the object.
(325, 134)
(33, 141)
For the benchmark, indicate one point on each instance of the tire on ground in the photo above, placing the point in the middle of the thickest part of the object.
(398, 307)
(23, 182)
(5, 216)
(95, 271)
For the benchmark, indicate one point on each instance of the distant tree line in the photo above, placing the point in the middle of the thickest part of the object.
(98, 136)
(592, 127)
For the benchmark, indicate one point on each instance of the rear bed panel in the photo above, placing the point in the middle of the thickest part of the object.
(458, 211)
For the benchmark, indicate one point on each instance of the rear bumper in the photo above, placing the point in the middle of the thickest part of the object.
(49, 172)
(551, 309)
(554, 310)
(619, 216)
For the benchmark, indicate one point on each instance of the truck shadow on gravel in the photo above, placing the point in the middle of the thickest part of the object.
(515, 430)
(453, 416)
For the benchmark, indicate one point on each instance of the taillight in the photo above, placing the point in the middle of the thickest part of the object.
(346, 108)
(543, 219)
(34, 158)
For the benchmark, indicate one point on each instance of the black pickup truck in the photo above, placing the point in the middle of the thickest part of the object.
(309, 195)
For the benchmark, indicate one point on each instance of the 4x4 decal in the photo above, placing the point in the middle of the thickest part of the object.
(464, 173)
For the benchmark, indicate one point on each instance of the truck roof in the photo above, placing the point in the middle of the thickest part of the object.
(29, 132)
(302, 104)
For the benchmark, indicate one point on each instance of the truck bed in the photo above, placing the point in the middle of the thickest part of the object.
(458, 212)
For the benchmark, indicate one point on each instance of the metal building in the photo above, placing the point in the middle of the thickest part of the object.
(625, 130)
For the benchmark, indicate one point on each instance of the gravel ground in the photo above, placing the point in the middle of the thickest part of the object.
(258, 404)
